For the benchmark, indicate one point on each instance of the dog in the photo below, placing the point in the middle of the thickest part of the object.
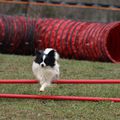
(45, 67)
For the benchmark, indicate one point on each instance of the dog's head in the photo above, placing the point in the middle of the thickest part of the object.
(47, 57)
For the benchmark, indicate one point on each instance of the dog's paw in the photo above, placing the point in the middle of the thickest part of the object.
(41, 90)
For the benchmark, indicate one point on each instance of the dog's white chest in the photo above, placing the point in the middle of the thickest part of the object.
(45, 73)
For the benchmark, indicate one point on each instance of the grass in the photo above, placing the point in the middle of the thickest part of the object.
(19, 67)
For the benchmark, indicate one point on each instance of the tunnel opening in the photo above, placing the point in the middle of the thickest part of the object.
(113, 44)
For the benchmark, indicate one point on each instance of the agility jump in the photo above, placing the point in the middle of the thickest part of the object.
(49, 97)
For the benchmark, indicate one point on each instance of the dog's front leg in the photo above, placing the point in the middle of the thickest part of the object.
(43, 86)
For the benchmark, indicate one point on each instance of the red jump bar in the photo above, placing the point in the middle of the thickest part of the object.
(97, 81)
(48, 97)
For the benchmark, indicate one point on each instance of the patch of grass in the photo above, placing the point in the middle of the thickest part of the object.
(19, 67)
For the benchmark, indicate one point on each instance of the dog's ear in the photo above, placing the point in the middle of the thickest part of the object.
(52, 53)
(57, 56)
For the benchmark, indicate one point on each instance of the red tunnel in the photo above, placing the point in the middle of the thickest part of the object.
(80, 40)
(72, 39)
(16, 34)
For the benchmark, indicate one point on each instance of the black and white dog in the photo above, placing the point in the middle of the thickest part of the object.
(45, 67)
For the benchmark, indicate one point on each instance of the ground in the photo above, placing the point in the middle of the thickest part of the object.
(19, 67)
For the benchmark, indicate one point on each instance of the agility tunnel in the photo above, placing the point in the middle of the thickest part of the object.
(72, 39)
(54, 97)
(16, 34)
(80, 40)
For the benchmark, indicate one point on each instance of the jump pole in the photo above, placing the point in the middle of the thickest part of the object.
(85, 81)
(48, 97)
